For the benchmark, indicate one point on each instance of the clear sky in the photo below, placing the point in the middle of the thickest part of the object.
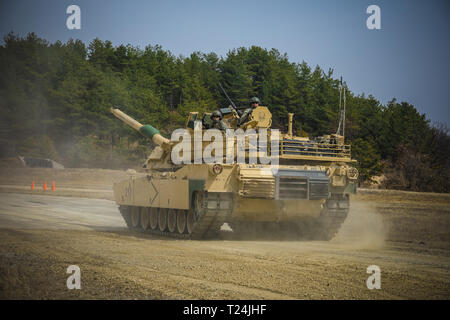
(407, 59)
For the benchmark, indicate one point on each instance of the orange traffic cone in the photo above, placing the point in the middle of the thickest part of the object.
(53, 185)
(45, 185)
(32, 185)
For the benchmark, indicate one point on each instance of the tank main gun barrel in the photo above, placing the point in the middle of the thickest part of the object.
(146, 130)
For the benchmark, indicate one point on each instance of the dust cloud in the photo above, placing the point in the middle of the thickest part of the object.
(363, 228)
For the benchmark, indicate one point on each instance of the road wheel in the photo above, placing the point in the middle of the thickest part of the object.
(153, 218)
(162, 219)
(181, 221)
(190, 221)
(135, 217)
(145, 218)
(172, 219)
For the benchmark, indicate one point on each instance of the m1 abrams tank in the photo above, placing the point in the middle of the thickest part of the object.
(307, 194)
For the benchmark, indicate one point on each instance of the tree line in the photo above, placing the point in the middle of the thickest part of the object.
(55, 100)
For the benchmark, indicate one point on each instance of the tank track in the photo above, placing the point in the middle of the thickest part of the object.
(213, 210)
(333, 215)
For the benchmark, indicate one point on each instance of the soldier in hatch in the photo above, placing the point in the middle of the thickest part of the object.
(254, 102)
(217, 122)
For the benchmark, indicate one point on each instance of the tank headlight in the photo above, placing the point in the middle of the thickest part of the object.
(216, 169)
(352, 173)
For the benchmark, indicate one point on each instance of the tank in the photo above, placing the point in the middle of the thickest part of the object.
(307, 194)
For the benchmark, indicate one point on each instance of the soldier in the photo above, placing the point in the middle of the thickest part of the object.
(217, 122)
(254, 102)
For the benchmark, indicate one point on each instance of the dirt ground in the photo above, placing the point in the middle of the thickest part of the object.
(406, 234)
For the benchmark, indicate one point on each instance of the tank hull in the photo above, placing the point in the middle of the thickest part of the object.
(197, 201)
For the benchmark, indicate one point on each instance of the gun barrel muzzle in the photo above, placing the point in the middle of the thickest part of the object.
(127, 119)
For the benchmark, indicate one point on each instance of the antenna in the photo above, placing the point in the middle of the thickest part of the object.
(338, 132)
(342, 102)
(343, 116)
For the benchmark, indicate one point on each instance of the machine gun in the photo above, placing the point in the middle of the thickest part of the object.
(233, 106)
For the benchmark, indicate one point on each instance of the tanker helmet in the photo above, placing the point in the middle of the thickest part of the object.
(255, 100)
(216, 113)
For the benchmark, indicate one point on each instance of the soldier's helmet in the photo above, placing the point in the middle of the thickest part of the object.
(255, 100)
(216, 113)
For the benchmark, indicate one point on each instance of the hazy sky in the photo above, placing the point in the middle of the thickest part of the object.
(407, 59)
